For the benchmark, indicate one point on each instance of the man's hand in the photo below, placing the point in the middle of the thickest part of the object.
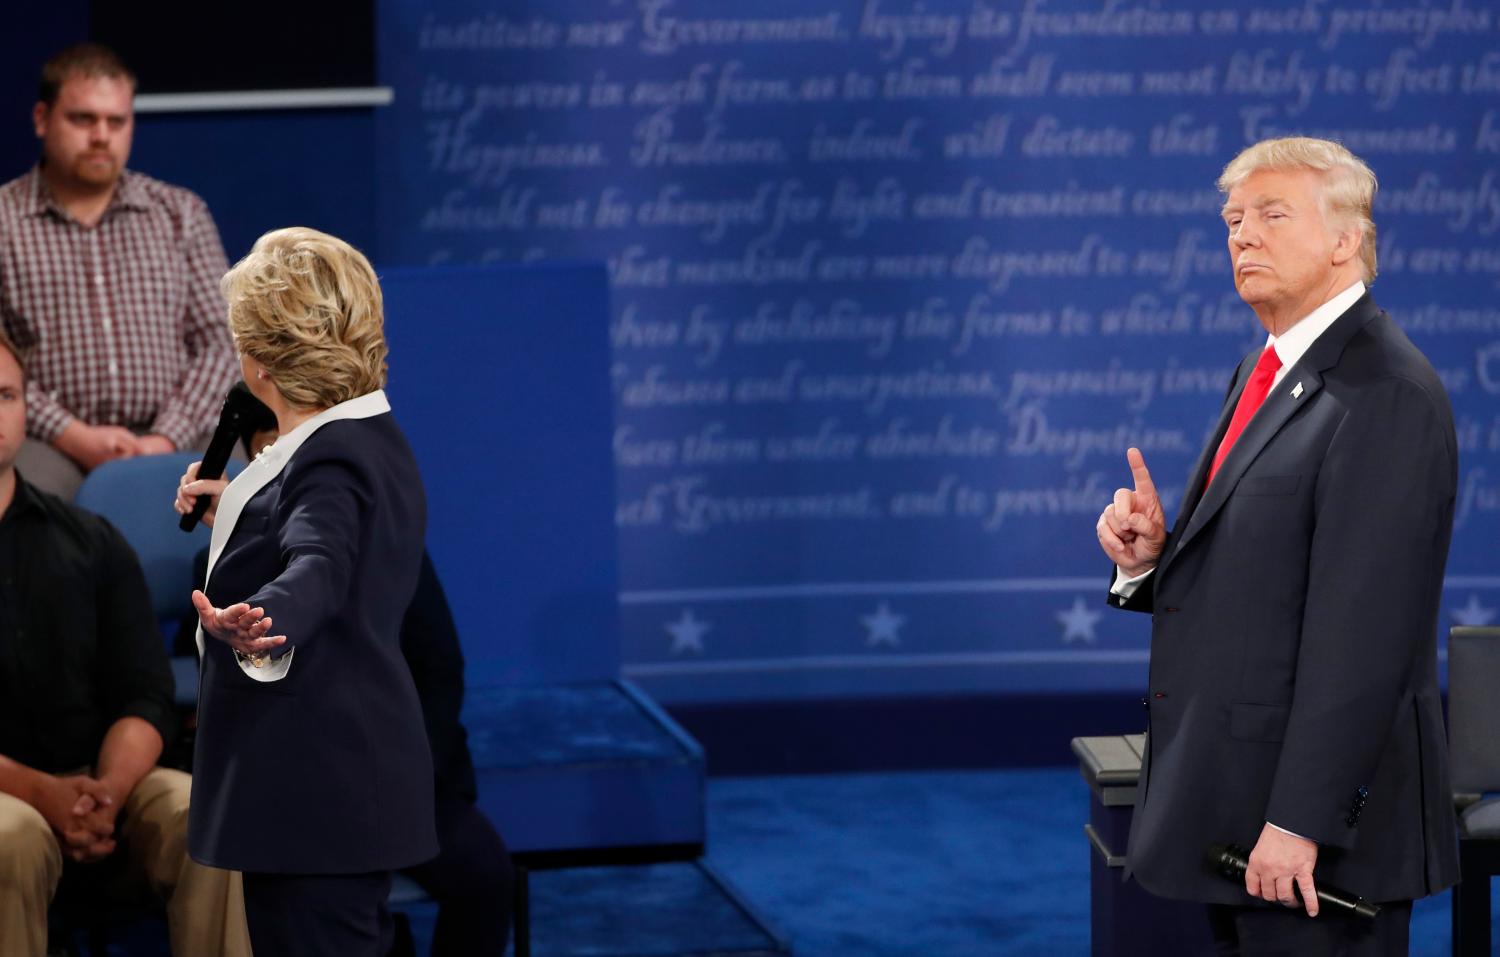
(241, 627)
(154, 445)
(93, 445)
(81, 810)
(100, 825)
(1132, 529)
(1279, 862)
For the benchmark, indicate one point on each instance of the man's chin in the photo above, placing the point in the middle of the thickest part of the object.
(1250, 290)
(98, 175)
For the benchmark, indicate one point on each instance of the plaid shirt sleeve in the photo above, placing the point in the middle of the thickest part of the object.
(192, 408)
(45, 416)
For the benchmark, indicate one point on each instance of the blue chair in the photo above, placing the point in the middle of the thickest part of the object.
(135, 495)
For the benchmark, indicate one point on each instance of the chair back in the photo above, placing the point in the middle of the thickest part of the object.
(135, 495)
(1474, 708)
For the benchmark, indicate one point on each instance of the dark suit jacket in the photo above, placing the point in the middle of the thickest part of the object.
(1294, 627)
(326, 770)
(430, 645)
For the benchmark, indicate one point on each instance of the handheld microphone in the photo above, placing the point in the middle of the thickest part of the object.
(1231, 860)
(238, 405)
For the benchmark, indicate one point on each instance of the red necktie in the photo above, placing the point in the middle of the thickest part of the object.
(1250, 400)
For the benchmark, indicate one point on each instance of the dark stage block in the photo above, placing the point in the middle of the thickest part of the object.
(577, 771)
(1125, 920)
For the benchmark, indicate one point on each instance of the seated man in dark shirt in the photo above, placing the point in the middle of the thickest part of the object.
(85, 705)
(471, 878)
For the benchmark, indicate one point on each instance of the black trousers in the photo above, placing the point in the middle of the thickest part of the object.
(318, 915)
(472, 881)
(1278, 931)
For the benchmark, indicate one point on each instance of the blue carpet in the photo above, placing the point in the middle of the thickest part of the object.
(914, 864)
(928, 864)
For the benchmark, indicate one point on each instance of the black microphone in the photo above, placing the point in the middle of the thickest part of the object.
(1231, 860)
(239, 404)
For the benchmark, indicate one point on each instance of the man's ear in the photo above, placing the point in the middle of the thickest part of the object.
(1349, 239)
(39, 116)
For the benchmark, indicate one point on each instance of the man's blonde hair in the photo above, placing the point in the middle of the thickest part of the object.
(1348, 184)
(307, 306)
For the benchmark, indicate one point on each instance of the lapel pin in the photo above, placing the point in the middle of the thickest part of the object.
(1297, 391)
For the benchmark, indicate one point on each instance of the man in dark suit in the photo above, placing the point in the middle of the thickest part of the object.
(1293, 702)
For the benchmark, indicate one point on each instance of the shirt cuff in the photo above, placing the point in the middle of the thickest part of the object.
(45, 417)
(176, 428)
(271, 669)
(1285, 831)
(1125, 587)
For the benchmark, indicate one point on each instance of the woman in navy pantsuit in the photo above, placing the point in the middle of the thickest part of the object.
(312, 773)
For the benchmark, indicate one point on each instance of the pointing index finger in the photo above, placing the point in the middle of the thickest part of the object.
(1139, 473)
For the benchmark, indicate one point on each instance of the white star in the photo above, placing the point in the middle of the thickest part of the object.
(687, 633)
(883, 627)
(1078, 623)
(1473, 613)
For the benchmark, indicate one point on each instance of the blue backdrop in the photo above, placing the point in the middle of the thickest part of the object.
(895, 284)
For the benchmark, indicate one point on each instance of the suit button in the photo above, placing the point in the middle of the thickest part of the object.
(1159, 695)
(1171, 608)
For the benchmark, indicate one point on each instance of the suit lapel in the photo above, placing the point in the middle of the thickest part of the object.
(255, 477)
(1194, 490)
(1279, 407)
(1281, 404)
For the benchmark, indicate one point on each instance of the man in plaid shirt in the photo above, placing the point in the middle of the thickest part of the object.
(109, 283)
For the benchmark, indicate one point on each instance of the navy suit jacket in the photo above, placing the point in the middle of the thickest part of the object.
(1294, 628)
(326, 770)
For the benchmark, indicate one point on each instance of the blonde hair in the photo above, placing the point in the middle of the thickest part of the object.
(307, 306)
(1348, 184)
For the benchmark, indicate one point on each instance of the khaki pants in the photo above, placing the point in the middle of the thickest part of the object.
(205, 905)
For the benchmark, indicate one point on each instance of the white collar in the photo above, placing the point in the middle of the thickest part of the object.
(360, 407)
(1293, 344)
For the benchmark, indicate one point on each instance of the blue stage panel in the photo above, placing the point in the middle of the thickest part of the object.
(499, 375)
